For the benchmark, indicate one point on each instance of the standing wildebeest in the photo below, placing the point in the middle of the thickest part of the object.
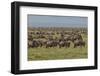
(35, 43)
(41, 43)
(32, 44)
(79, 43)
(76, 37)
(52, 43)
(38, 43)
(55, 43)
(49, 43)
(64, 43)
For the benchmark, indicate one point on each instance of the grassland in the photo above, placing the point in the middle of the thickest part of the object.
(56, 53)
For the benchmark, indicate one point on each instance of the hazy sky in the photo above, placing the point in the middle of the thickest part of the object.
(56, 21)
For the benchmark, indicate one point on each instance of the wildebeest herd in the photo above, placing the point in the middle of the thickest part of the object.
(56, 37)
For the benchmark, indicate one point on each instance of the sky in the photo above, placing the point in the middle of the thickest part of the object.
(56, 21)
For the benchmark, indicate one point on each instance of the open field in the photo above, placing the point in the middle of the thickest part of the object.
(54, 52)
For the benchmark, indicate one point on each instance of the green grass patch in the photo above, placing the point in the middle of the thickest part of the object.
(42, 53)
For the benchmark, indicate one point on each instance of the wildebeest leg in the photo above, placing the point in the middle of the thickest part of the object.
(69, 45)
(59, 46)
(84, 44)
(46, 46)
(74, 45)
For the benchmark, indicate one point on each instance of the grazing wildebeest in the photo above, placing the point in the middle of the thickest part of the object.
(41, 43)
(55, 43)
(35, 43)
(64, 44)
(76, 37)
(68, 38)
(79, 43)
(49, 43)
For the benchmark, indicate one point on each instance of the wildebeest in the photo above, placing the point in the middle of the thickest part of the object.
(55, 38)
(79, 43)
(64, 44)
(75, 37)
(49, 44)
(52, 43)
(34, 43)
